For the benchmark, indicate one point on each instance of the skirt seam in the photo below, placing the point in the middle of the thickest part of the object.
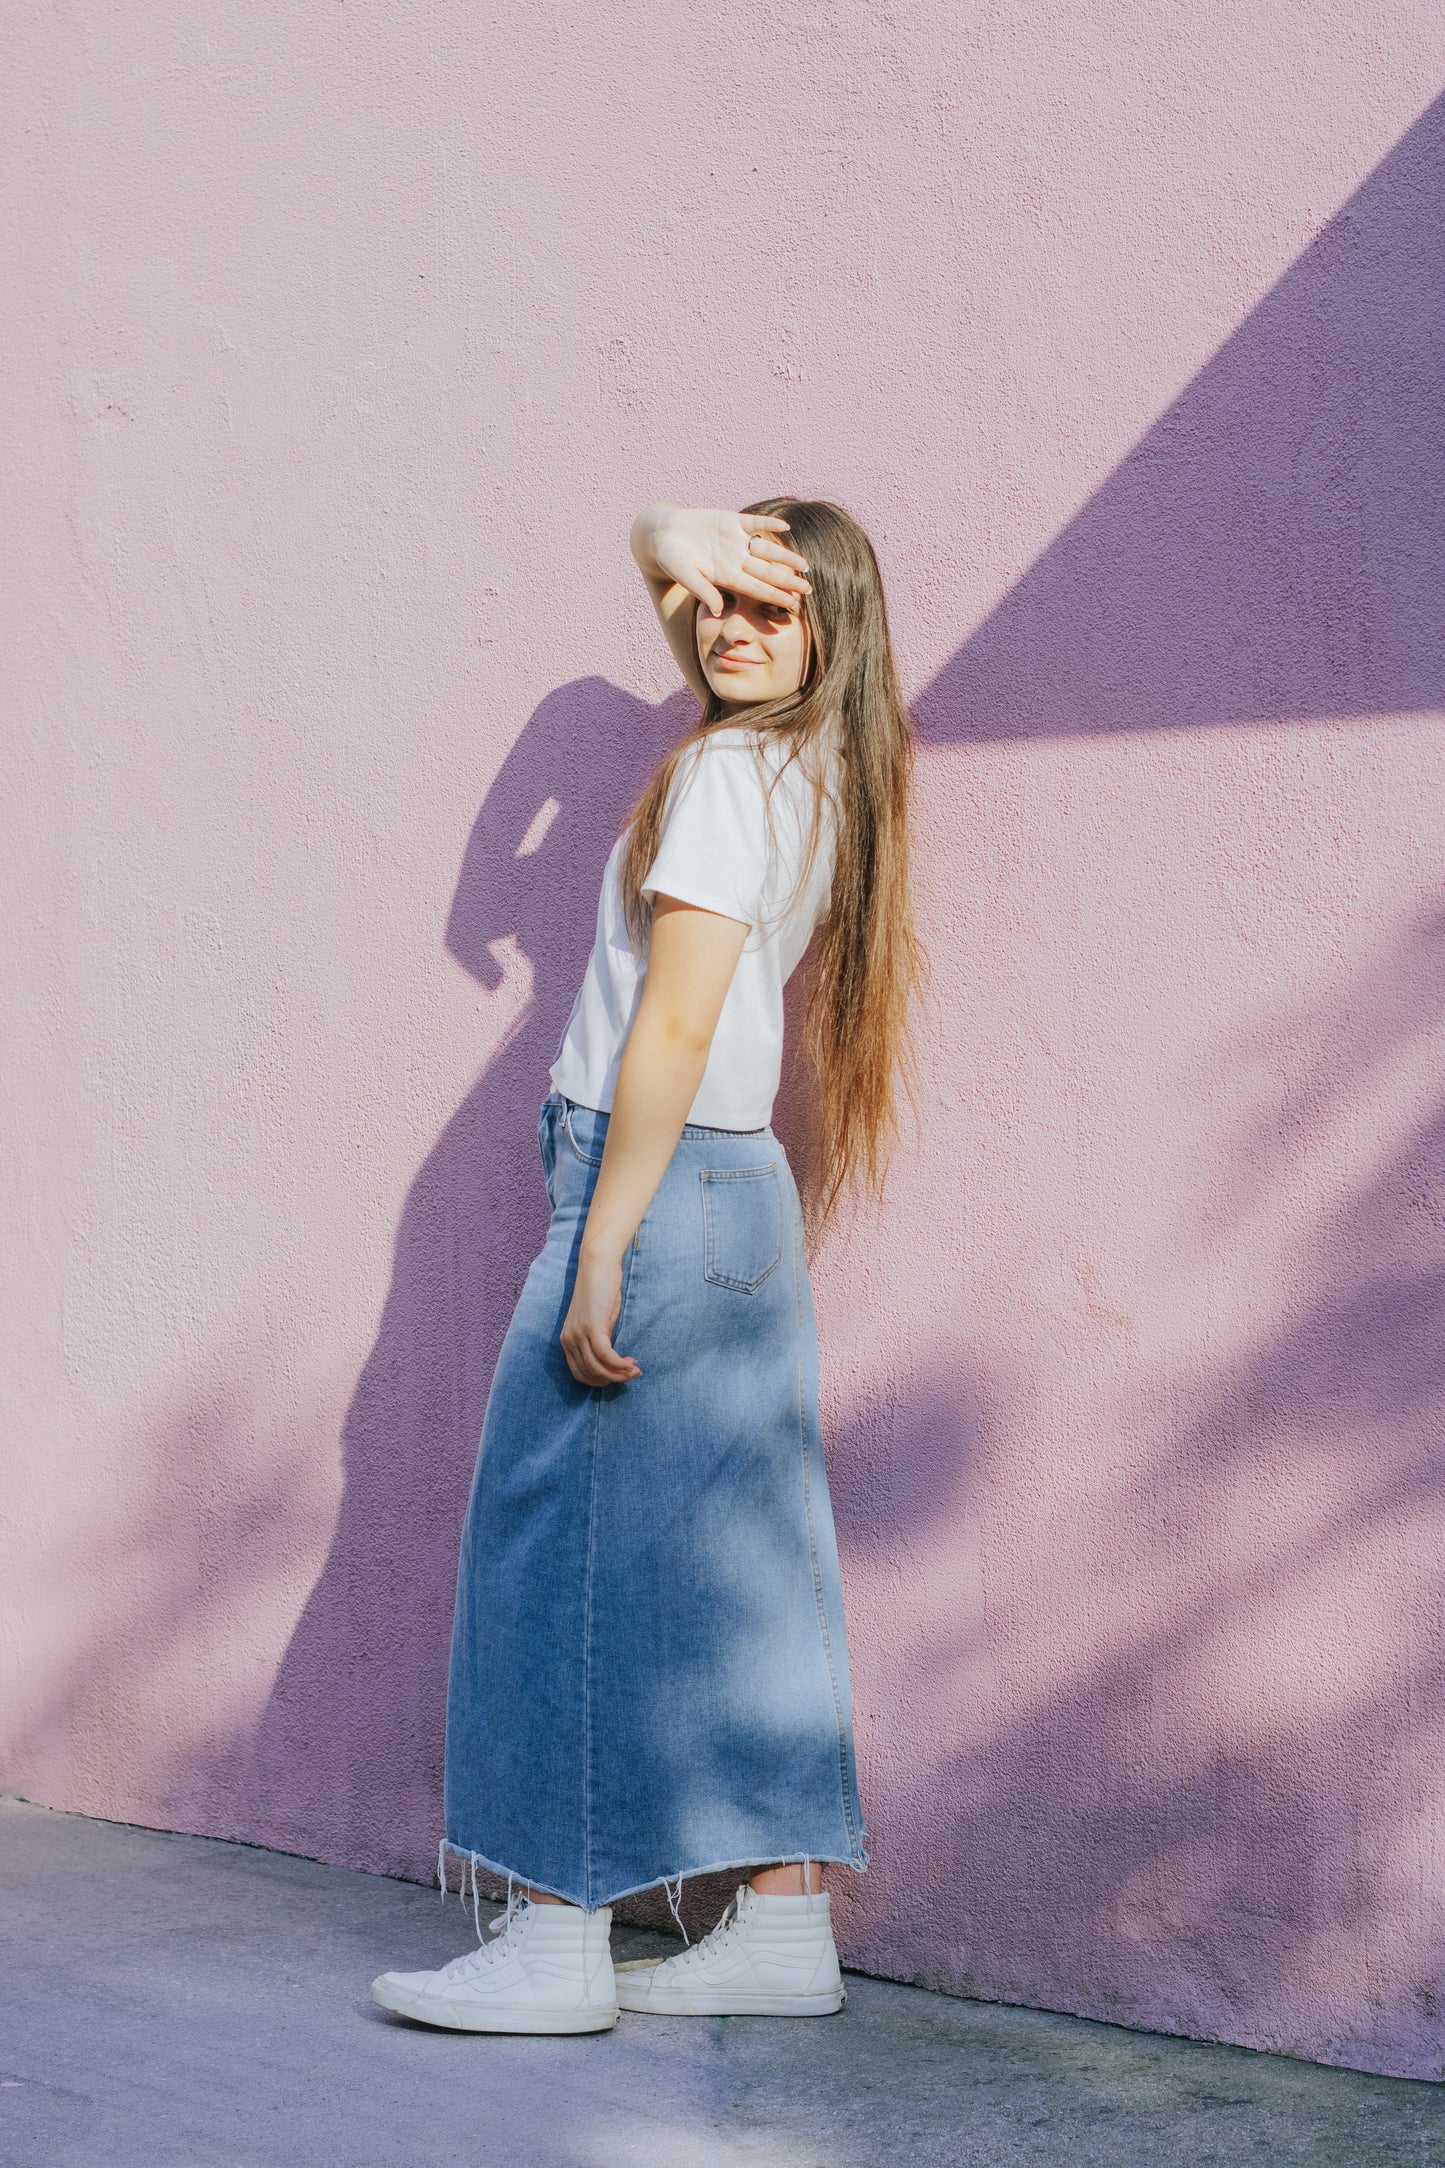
(587, 1763)
(855, 1847)
(588, 1760)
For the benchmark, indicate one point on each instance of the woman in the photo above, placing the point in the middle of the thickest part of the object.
(649, 1675)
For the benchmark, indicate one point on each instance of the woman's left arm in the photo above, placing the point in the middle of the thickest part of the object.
(691, 961)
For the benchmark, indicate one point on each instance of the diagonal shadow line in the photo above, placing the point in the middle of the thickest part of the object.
(1271, 548)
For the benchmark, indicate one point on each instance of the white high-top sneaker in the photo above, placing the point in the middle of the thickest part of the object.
(547, 1970)
(767, 1957)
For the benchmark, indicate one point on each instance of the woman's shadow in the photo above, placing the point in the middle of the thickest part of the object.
(350, 1742)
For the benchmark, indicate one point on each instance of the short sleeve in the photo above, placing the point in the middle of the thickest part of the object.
(714, 846)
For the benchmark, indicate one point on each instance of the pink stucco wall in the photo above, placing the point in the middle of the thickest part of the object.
(342, 344)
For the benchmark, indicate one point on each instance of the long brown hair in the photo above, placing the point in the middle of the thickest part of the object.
(869, 960)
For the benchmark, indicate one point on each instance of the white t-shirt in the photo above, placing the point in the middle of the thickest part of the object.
(715, 851)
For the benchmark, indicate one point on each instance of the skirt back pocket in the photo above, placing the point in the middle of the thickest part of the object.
(743, 1225)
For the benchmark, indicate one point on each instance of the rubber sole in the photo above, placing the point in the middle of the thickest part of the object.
(723, 2002)
(476, 2017)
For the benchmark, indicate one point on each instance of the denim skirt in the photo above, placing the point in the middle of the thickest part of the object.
(649, 1672)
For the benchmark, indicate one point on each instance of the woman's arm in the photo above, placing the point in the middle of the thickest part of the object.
(690, 965)
(686, 555)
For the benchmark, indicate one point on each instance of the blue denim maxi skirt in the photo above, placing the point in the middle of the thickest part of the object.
(649, 1671)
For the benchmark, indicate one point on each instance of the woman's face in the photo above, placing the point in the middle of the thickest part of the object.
(753, 651)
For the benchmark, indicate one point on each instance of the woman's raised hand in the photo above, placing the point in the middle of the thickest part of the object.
(707, 552)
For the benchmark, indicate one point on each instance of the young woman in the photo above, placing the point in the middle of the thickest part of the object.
(649, 1674)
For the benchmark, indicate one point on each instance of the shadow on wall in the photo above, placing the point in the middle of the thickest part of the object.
(227, 1525)
(1221, 1815)
(1270, 551)
(348, 1757)
(1272, 548)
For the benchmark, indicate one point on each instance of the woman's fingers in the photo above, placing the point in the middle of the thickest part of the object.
(593, 1360)
(777, 574)
(605, 1356)
(761, 590)
(697, 583)
(775, 553)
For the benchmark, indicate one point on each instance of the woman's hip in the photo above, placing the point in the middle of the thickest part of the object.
(727, 1203)
(715, 1301)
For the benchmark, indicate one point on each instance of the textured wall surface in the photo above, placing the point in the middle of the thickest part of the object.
(343, 343)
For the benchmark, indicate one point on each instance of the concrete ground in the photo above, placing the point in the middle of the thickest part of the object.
(170, 2002)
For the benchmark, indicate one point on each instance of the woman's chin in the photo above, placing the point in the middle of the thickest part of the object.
(736, 696)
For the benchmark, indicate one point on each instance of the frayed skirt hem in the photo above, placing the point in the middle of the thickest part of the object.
(480, 1863)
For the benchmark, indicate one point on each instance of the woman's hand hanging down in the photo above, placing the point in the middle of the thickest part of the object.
(591, 1317)
(691, 961)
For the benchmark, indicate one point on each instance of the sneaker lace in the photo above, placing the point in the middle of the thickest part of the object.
(718, 1937)
(503, 1931)
(514, 1902)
